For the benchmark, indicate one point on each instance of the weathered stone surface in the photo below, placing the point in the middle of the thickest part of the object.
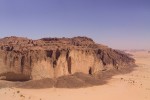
(25, 59)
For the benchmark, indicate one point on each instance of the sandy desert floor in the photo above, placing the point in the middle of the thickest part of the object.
(131, 86)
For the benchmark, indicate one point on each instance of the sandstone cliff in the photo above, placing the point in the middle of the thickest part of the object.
(24, 59)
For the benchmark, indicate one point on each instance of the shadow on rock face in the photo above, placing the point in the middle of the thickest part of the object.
(10, 76)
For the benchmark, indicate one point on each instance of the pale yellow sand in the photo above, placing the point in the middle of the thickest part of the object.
(131, 86)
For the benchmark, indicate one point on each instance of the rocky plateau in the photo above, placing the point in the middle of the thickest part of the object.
(23, 59)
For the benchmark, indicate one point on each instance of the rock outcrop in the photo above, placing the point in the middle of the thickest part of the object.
(24, 59)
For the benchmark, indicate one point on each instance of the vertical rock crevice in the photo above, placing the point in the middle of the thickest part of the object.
(57, 54)
(49, 53)
(69, 65)
(90, 71)
(22, 63)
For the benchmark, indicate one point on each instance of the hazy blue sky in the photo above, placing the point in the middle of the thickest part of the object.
(119, 24)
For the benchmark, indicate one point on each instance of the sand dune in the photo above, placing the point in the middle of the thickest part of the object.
(131, 86)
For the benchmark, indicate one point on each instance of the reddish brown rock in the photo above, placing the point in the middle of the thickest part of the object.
(25, 59)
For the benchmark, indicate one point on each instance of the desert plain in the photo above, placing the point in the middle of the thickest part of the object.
(131, 86)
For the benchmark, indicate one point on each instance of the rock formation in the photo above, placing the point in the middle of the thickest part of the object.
(24, 59)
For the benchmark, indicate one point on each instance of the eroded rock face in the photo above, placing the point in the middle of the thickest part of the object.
(26, 59)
